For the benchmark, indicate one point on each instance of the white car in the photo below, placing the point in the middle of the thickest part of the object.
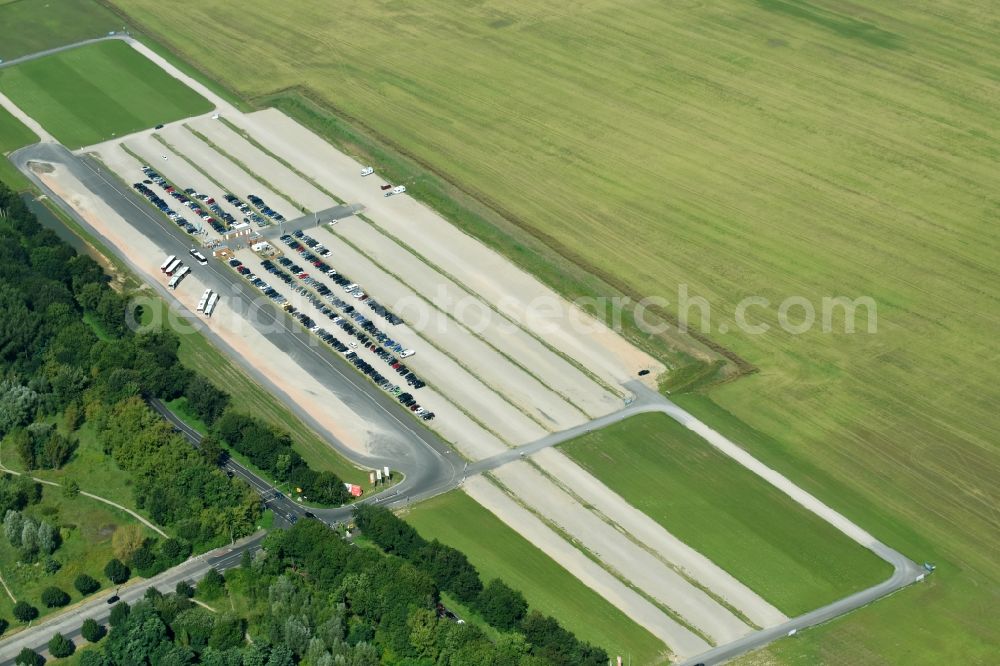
(407, 354)
(367, 171)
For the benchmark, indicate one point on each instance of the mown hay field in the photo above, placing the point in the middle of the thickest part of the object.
(769, 149)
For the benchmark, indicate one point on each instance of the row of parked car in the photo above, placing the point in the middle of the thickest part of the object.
(344, 323)
(249, 215)
(265, 209)
(348, 310)
(188, 198)
(338, 278)
(361, 327)
(264, 287)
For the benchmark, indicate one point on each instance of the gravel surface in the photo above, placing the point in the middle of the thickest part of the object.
(633, 563)
(238, 181)
(294, 380)
(571, 387)
(450, 422)
(681, 641)
(549, 410)
(263, 165)
(592, 344)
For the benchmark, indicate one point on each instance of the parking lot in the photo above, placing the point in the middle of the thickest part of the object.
(473, 372)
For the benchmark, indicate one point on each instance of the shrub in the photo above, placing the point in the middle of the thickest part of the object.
(500, 605)
(211, 584)
(184, 589)
(28, 657)
(53, 597)
(86, 584)
(117, 572)
(119, 613)
(92, 631)
(24, 611)
(60, 646)
(52, 565)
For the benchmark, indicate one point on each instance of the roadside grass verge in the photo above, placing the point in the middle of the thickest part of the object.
(497, 551)
(13, 135)
(197, 352)
(95, 92)
(782, 551)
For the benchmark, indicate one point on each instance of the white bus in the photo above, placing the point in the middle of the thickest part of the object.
(176, 279)
(210, 307)
(204, 300)
(166, 263)
(199, 256)
(174, 265)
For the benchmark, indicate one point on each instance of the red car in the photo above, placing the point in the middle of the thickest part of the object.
(386, 187)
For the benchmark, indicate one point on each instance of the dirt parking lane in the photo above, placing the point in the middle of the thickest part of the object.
(678, 638)
(622, 555)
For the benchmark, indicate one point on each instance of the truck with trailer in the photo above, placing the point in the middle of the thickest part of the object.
(199, 257)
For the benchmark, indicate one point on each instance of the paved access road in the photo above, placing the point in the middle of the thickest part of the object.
(69, 622)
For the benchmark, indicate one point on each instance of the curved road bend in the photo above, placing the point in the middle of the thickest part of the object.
(69, 622)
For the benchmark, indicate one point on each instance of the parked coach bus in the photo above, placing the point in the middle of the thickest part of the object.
(176, 279)
(166, 263)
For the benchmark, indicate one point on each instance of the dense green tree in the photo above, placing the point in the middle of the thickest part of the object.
(117, 572)
(119, 614)
(17, 492)
(60, 646)
(228, 632)
(205, 400)
(28, 657)
(92, 631)
(211, 584)
(86, 584)
(3, 626)
(500, 605)
(184, 589)
(24, 612)
(53, 597)
(193, 628)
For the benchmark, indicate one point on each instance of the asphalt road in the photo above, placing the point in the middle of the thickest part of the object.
(68, 623)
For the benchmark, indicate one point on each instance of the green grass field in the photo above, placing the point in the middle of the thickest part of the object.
(13, 135)
(771, 148)
(86, 95)
(37, 26)
(94, 471)
(780, 550)
(86, 526)
(500, 552)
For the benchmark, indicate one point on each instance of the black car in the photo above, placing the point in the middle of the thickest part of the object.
(113, 599)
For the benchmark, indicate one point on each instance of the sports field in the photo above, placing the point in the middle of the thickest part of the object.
(497, 551)
(780, 550)
(86, 95)
(772, 148)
